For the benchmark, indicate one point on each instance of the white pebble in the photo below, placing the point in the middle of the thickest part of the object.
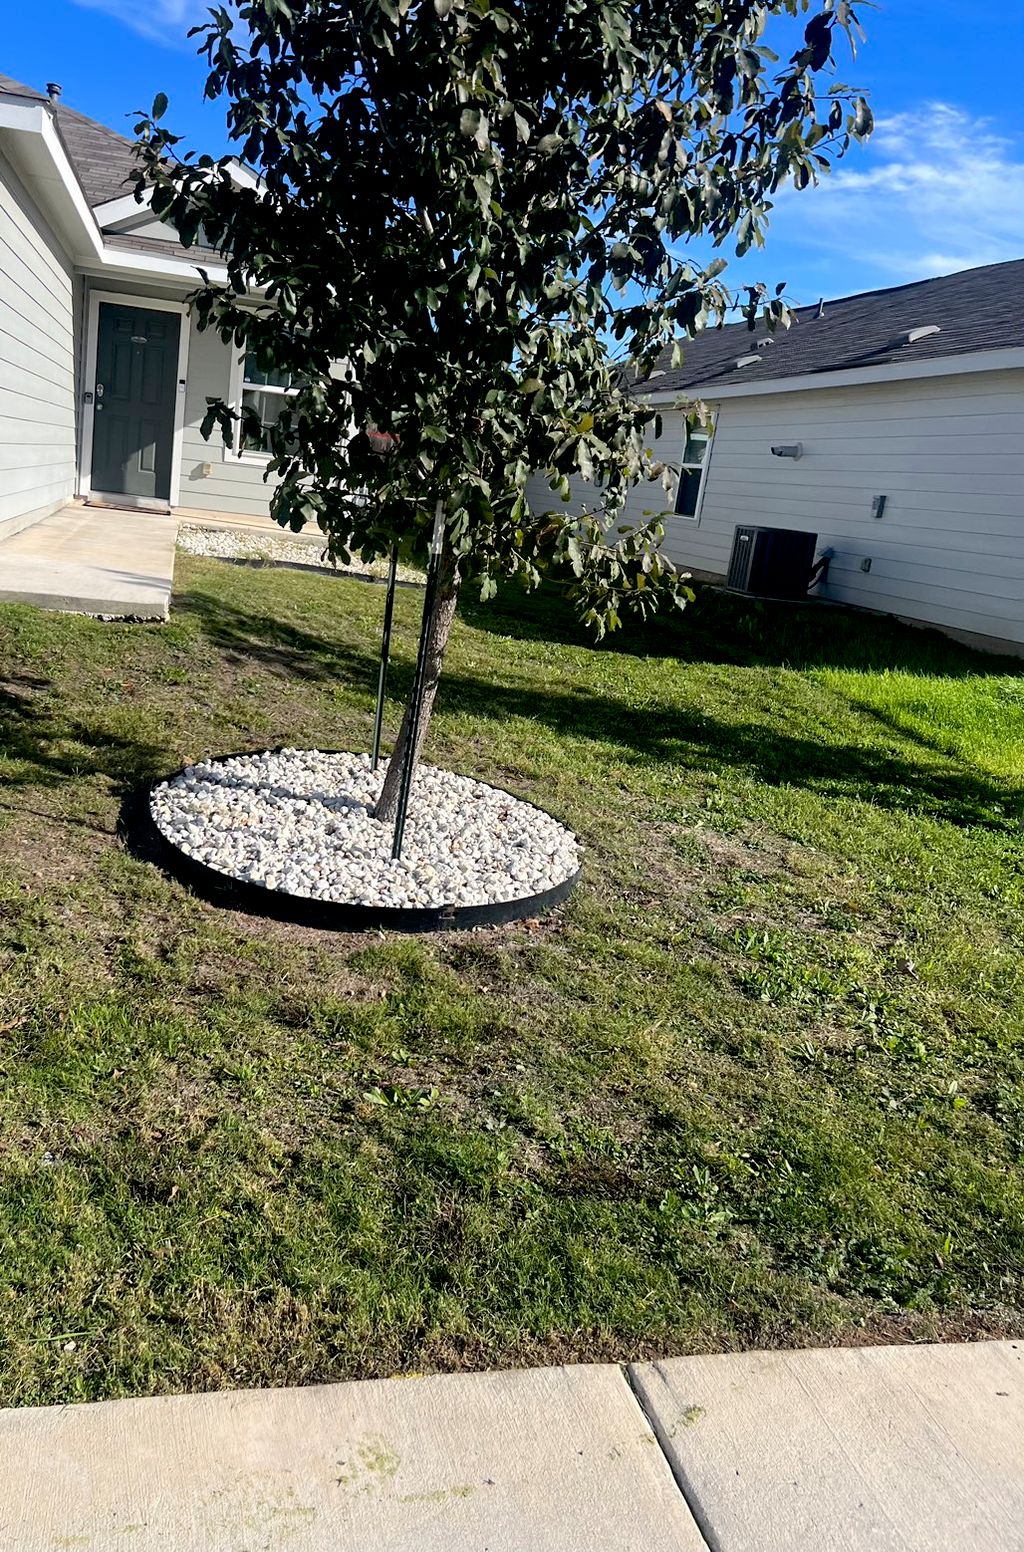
(301, 821)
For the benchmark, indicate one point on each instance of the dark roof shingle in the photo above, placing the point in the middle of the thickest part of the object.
(975, 309)
(101, 158)
(161, 249)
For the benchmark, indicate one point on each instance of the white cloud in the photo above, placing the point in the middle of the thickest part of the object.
(162, 21)
(936, 190)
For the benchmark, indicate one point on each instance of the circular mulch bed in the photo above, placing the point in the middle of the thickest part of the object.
(291, 833)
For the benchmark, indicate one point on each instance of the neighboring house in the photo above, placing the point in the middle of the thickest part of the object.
(103, 382)
(914, 394)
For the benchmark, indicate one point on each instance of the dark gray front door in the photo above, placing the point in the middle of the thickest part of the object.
(133, 427)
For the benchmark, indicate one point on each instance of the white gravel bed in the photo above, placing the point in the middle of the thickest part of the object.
(247, 544)
(300, 821)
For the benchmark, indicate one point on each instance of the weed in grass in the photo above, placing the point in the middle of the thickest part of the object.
(400, 1097)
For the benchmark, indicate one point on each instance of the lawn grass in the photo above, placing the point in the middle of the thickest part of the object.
(760, 1082)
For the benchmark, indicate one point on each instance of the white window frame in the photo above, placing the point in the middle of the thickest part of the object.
(236, 452)
(703, 466)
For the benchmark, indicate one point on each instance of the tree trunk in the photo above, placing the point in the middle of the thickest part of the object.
(441, 619)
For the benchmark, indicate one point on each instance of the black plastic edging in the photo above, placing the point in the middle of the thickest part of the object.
(237, 894)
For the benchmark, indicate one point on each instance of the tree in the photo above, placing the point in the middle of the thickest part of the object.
(467, 236)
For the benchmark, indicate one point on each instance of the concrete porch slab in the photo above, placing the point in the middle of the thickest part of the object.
(92, 561)
(542, 1460)
(896, 1449)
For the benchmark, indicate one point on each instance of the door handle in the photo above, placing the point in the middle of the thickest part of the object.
(99, 390)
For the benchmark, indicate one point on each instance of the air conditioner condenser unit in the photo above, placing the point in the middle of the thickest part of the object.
(771, 562)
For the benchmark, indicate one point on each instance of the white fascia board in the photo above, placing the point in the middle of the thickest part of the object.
(121, 209)
(126, 206)
(142, 264)
(33, 124)
(18, 113)
(851, 377)
(66, 173)
(244, 176)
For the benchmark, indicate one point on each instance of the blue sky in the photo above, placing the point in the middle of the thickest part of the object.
(940, 186)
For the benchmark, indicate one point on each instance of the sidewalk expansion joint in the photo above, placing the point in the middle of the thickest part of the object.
(685, 1487)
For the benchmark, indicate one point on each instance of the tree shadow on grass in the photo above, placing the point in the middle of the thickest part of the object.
(51, 746)
(279, 646)
(726, 628)
(762, 749)
(695, 742)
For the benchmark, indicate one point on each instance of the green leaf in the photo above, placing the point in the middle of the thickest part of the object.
(473, 125)
(159, 107)
(466, 281)
(482, 185)
(864, 119)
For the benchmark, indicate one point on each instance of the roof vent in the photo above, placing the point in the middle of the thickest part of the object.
(53, 91)
(911, 336)
(747, 361)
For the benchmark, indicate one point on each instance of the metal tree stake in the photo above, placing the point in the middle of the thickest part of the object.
(385, 652)
(416, 704)
(384, 444)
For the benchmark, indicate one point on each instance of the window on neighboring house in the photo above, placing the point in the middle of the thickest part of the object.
(266, 393)
(691, 471)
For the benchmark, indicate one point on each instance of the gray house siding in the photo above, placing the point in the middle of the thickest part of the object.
(38, 327)
(234, 487)
(946, 452)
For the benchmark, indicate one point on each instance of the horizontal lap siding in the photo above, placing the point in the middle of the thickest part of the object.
(37, 359)
(233, 487)
(948, 455)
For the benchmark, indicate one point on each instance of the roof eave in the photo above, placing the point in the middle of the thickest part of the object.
(849, 377)
(45, 162)
(140, 266)
(59, 195)
(111, 212)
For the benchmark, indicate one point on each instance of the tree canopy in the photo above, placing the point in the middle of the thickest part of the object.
(472, 218)
(470, 232)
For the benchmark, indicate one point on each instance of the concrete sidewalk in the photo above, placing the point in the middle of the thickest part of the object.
(92, 560)
(910, 1448)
